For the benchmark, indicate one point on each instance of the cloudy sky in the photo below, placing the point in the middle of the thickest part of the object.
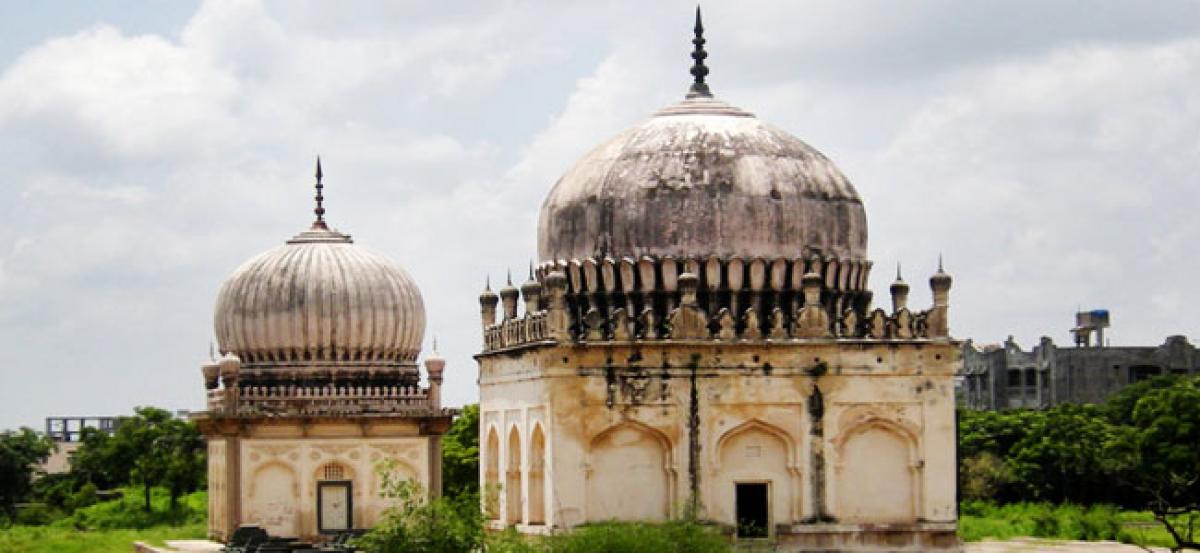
(1051, 151)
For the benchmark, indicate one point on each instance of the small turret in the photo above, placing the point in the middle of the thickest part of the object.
(487, 304)
(434, 365)
(899, 291)
(939, 315)
(531, 291)
(508, 298)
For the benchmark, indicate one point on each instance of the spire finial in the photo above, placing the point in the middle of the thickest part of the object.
(699, 70)
(435, 348)
(320, 209)
(940, 270)
(530, 269)
(487, 284)
(510, 276)
(898, 277)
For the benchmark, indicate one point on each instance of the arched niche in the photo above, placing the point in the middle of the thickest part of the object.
(754, 452)
(537, 476)
(512, 478)
(877, 473)
(491, 474)
(273, 499)
(629, 474)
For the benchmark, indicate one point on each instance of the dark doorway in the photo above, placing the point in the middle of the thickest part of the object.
(751, 510)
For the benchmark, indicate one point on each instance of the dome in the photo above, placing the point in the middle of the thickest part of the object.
(702, 178)
(319, 298)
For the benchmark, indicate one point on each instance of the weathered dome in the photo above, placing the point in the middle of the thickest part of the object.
(703, 178)
(320, 298)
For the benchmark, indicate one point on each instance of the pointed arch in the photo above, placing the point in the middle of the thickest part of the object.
(512, 477)
(877, 472)
(536, 475)
(491, 474)
(629, 455)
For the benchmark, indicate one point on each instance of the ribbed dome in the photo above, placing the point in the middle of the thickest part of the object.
(703, 178)
(319, 298)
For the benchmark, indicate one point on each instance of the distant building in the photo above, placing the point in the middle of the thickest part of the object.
(1003, 376)
(67, 433)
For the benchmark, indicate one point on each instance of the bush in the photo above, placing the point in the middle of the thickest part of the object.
(128, 511)
(417, 524)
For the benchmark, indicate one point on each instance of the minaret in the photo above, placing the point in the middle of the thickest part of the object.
(531, 291)
(434, 365)
(939, 321)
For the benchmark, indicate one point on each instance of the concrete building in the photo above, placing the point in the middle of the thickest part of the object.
(1003, 376)
(317, 383)
(697, 336)
(67, 433)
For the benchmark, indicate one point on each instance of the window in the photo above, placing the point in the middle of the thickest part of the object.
(333, 471)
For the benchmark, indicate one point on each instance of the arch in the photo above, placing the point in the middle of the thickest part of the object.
(755, 451)
(512, 478)
(629, 474)
(536, 475)
(877, 475)
(274, 495)
(491, 475)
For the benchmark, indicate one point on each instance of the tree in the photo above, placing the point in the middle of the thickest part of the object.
(150, 448)
(20, 454)
(1158, 457)
(460, 454)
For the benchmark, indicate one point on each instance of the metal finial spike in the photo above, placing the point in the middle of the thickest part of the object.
(530, 269)
(320, 209)
(940, 270)
(510, 277)
(699, 71)
(212, 352)
(487, 284)
(435, 348)
(898, 277)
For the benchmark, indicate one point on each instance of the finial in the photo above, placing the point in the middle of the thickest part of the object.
(487, 284)
(320, 210)
(212, 353)
(940, 270)
(510, 276)
(898, 277)
(699, 70)
(435, 349)
(530, 269)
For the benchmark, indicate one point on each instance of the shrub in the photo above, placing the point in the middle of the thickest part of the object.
(417, 524)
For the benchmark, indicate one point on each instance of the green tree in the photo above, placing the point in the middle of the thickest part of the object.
(460, 454)
(1061, 458)
(20, 454)
(150, 448)
(1158, 456)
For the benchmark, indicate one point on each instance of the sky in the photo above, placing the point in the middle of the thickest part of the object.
(1050, 151)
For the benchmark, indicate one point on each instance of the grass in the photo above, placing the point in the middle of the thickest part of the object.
(981, 520)
(53, 539)
(113, 526)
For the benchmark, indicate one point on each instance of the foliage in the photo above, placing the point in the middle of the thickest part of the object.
(983, 475)
(460, 454)
(417, 524)
(129, 511)
(20, 453)
(980, 520)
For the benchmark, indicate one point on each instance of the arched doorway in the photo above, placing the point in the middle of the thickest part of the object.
(491, 476)
(512, 484)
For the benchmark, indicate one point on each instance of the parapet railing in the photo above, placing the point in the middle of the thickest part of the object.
(318, 400)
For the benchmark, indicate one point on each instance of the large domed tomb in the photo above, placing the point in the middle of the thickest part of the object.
(698, 333)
